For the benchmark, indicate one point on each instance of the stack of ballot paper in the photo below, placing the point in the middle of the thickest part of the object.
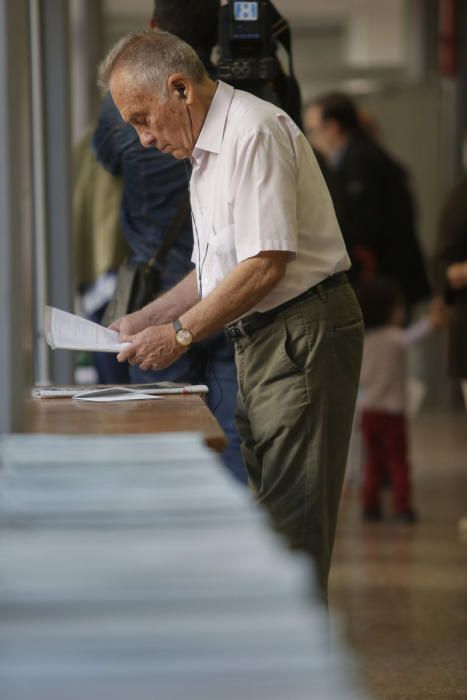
(71, 332)
(151, 388)
(135, 567)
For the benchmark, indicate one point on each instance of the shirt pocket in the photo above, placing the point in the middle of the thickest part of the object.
(224, 254)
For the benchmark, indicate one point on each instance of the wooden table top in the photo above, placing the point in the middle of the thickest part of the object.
(171, 413)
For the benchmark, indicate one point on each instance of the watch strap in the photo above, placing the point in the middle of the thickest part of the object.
(177, 325)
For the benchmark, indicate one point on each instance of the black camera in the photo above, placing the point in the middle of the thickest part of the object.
(249, 34)
(246, 43)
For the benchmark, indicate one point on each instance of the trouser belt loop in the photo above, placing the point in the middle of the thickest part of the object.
(241, 328)
(321, 292)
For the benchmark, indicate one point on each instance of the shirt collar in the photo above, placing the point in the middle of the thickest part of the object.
(212, 132)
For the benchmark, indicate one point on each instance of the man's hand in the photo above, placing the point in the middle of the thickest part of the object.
(164, 309)
(130, 324)
(153, 348)
(457, 275)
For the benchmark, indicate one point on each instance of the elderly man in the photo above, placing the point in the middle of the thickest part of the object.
(270, 268)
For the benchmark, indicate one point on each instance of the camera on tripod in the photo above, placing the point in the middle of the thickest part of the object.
(249, 38)
(246, 43)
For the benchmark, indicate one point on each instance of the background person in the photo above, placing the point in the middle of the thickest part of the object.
(153, 186)
(98, 245)
(383, 396)
(371, 195)
(270, 265)
(456, 274)
(450, 278)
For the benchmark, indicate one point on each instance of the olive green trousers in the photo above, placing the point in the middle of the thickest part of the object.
(298, 380)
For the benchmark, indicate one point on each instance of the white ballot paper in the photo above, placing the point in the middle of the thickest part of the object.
(114, 393)
(67, 331)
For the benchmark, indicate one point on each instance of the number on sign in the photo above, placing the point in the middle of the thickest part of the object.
(246, 11)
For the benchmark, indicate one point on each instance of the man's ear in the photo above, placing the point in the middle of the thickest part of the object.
(179, 86)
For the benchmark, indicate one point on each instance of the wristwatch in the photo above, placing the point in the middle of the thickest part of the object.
(183, 337)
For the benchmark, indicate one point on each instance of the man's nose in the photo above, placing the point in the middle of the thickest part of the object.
(146, 138)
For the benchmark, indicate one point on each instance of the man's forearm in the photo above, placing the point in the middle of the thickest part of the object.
(246, 285)
(173, 303)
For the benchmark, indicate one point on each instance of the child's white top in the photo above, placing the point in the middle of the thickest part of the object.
(383, 376)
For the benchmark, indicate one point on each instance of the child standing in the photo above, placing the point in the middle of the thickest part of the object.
(383, 397)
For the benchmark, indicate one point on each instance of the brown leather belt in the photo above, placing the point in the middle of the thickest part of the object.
(246, 326)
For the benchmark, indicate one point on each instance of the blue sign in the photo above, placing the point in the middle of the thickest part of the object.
(246, 11)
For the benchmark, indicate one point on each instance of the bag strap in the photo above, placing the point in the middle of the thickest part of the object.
(171, 232)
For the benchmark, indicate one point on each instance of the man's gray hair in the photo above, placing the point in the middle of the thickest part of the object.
(149, 59)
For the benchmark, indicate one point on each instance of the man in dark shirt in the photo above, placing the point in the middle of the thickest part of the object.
(371, 196)
(153, 186)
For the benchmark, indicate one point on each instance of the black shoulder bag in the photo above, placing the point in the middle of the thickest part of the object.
(140, 283)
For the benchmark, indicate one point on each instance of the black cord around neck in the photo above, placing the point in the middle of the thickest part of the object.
(198, 244)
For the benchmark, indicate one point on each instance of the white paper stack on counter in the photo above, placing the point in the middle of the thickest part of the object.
(135, 567)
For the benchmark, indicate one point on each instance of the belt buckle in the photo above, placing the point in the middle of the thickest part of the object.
(234, 331)
(241, 329)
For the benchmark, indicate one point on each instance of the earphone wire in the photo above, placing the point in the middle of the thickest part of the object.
(210, 365)
(194, 225)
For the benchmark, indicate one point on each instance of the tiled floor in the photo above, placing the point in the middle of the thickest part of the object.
(400, 590)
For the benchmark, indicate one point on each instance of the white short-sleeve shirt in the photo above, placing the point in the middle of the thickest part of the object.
(256, 186)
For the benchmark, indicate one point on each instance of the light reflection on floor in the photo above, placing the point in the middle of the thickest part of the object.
(400, 590)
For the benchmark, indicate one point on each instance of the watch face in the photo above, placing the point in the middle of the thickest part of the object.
(184, 337)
